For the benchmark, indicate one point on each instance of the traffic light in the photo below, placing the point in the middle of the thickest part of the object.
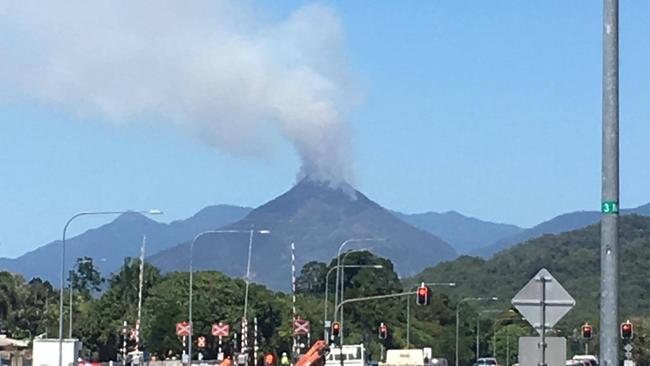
(383, 331)
(336, 329)
(587, 331)
(627, 330)
(424, 295)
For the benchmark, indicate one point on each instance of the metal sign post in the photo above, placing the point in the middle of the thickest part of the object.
(543, 302)
(529, 351)
(125, 330)
(255, 345)
(542, 344)
(628, 351)
(184, 351)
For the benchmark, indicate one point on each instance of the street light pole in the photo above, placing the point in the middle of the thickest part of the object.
(342, 269)
(478, 320)
(62, 280)
(408, 307)
(70, 306)
(494, 337)
(191, 284)
(458, 317)
(327, 276)
(248, 271)
(338, 266)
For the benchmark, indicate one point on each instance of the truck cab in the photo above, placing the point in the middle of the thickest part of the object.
(352, 355)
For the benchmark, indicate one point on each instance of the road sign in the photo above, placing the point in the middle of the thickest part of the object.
(628, 355)
(220, 330)
(183, 329)
(609, 207)
(628, 348)
(529, 300)
(200, 342)
(529, 353)
(300, 327)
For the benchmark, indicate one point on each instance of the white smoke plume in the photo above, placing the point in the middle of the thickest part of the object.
(215, 68)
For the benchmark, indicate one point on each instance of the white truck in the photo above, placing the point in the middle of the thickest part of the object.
(352, 355)
(404, 357)
(45, 352)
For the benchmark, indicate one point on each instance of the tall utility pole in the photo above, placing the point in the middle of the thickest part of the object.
(141, 285)
(610, 191)
(248, 273)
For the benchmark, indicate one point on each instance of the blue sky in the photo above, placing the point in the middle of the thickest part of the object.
(491, 109)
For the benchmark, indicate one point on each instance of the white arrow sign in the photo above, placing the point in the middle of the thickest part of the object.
(529, 303)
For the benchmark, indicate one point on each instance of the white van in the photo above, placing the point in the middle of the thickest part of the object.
(404, 357)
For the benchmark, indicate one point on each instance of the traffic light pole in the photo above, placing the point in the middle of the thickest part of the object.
(610, 190)
(408, 307)
(327, 276)
(369, 298)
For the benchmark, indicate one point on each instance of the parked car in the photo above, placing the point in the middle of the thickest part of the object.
(591, 359)
(438, 362)
(487, 361)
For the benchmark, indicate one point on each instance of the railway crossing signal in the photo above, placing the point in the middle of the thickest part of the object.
(383, 331)
(200, 342)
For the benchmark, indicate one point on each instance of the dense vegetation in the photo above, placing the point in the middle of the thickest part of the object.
(31, 307)
(574, 259)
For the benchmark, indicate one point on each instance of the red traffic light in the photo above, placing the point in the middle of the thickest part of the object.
(587, 331)
(627, 330)
(336, 328)
(383, 331)
(424, 295)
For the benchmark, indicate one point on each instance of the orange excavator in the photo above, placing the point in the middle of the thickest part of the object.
(315, 356)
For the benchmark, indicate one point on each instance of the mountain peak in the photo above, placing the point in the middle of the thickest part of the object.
(311, 186)
(132, 217)
(313, 196)
(317, 216)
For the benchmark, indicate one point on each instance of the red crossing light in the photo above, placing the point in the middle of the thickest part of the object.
(336, 328)
(424, 295)
(587, 331)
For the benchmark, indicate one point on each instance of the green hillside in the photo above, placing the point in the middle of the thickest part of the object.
(573, 258)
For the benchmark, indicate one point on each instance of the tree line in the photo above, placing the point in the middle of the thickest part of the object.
(101, 305)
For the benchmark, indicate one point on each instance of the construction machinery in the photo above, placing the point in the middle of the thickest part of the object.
(315, 356)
